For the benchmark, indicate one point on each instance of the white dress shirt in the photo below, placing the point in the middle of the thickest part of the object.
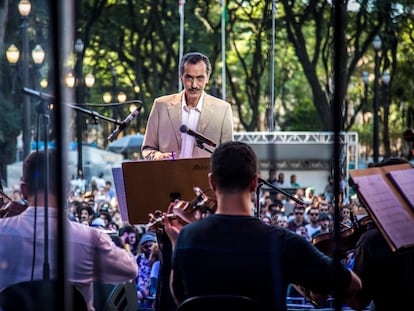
(190, 117)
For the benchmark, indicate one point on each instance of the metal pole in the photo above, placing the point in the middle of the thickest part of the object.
(25, 81)
(181, 52)
(79, 102)
(223, 50)
(272, 72)
(375, 110)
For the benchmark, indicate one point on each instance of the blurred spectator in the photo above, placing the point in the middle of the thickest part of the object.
(80, 183)
(299, 219)
(106, 217)
(282, 221)
(346, 219)
(272, 177)
(86, 213)
(324, 223)
(266, 219)
(129, 236)
(313, 224)
(329, 190)
(280, 182)
(117, 218)
(154, 263)
(293, 181)
(109, 190)
(143, 280)
(98, 222)
(17, 197)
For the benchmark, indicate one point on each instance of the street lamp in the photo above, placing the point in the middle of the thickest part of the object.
(107, 97)
(121, 97)
(377, 46)
(38, 56)
(89, 82)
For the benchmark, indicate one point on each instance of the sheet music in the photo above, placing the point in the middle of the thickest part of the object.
(404, 181)
(389, 211)
(120, 192)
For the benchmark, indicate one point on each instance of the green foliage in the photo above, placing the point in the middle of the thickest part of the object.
(303, 118)
(10, 127)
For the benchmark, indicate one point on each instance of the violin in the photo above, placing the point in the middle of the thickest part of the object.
(10, 208)
(185, 212)
(350, 235)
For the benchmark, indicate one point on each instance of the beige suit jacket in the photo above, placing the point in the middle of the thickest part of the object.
(163, 127)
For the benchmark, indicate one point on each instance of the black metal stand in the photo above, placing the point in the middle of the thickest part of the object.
(290, 196)
(259, 185)
(200, 145)
(42, 111)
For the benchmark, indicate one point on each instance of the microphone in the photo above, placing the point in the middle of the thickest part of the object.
(124, 124)
(199, 137)
(37, 94)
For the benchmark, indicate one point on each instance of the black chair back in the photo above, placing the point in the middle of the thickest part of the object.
(38, 295)
(121, 297)
(219, 303)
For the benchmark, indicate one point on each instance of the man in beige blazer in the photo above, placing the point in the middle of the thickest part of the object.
(199, 111)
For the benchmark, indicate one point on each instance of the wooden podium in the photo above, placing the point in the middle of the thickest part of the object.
(388, 195)
(152, 185)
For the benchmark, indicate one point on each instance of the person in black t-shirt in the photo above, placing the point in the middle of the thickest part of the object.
(231, 252)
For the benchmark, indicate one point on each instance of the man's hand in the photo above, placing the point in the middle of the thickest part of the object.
(163, 156)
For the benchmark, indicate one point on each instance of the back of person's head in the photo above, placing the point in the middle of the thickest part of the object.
(34, 171)
(233, 166)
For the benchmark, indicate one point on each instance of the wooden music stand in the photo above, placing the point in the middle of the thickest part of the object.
(152, 185)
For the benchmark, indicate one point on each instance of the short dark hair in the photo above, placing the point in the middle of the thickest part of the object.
(34, 171)
(195, 58)
(233, 166)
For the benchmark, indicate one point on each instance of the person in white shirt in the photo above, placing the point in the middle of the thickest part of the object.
(92, 256)
(194, 108)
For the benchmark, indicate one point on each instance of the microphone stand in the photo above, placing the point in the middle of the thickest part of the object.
(290, 196)
(95, 115)
(41, 110)
(259, 185)
(200, 144)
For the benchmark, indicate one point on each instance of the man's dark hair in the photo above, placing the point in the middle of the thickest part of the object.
(194, 58)
(233, 165)
(34, 171)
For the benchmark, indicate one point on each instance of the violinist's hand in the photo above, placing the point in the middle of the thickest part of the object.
(172, 226)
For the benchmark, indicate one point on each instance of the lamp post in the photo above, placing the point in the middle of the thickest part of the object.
(25, 7)
(365, 79)
(13, 55)
(386, 78)
(377, 46)
(79, 91)
(113, 74)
